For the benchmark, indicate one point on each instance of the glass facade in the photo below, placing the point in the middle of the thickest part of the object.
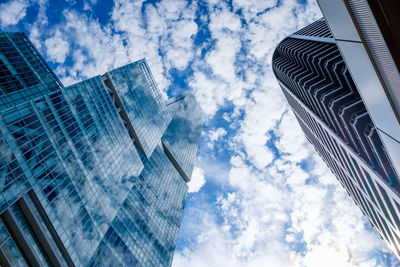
(134, 86)
(85, 175)
(182, 134)
(24, 74)
(151, 216)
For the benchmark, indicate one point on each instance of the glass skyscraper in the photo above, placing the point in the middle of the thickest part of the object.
(341, 81)
(93, 174)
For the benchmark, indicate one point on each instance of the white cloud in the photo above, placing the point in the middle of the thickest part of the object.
(37, 30)
(277, 214)
(224, 20)
(180, 50)
(250, 8)
(222, 59)
(209, 93)
(292, 143)
(197, 180)
(260, 117)
(217, 134)
(224, 26)
(12, 12)
(128, 19)
(214, 91)
(270, 207)
(92, 48)
(172, 9)
(256, 213)
(88, 4)
(57, 48)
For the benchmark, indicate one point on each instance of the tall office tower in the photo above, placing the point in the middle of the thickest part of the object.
(93, 174)
(340, 98)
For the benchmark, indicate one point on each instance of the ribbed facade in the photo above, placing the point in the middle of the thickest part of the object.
(86, 178)
(326, 102)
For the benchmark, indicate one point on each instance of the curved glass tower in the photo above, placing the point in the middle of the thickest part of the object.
(93, 174)
(332, 103)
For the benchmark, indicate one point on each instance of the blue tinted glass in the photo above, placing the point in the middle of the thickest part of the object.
(23, 73)
(149, 221)
(183, 133)
(100, 181)
(142, 101)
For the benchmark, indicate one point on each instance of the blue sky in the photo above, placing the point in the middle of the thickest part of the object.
(260, 195)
